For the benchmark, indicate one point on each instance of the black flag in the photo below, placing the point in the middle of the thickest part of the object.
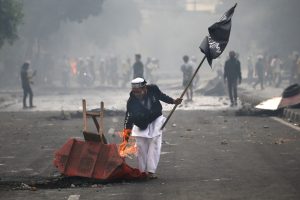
(214, 44)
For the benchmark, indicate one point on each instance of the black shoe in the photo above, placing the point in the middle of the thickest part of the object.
(32, 106)
(25, 107)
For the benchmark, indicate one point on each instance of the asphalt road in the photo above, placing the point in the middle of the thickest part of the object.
(205, 155)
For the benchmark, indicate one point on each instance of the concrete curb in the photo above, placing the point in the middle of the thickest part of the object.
(292, 115)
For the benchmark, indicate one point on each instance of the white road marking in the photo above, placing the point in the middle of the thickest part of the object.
(165, 152)
(7, 157)
(286, 123)
(74, 197)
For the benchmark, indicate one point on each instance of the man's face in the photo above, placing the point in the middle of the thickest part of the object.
(139, 92)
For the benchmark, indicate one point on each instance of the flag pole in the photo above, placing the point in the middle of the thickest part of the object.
(184, 91)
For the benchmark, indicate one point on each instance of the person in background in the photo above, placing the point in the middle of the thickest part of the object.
(187, 72)
(276, 64)
(126, 71)
(193, 62)
(294, 68)
(26, 82)
(138, 67)
(144, 120)
(151, 67)
(250, 70)
(259, 72)
(232, 76)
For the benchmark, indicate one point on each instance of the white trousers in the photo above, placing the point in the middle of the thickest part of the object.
(148, 153)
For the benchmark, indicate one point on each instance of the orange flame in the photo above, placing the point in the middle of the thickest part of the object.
(73, 65)
(127, 149)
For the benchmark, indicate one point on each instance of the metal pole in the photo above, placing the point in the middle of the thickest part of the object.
(184, 91)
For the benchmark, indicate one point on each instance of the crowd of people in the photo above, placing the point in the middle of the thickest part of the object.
(107, 70)
(273, 70)
(89, 72)
(262, 70)
(110, 70)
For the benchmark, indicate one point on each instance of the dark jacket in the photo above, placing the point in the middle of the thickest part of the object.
(138, 69)
(259, 68)
(141, 116)
(25, 79)
(232, 70)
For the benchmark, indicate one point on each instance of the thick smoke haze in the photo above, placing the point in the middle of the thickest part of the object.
(161, 29)
(127, 29)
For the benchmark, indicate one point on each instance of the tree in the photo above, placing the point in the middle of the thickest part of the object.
(10, 17)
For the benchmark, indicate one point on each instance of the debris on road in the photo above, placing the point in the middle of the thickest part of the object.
(93, 158)
(290, 97)
(224, 142)
(283, 141)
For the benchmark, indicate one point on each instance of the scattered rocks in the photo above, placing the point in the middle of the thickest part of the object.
(282, 141)
(224, 142)
(24, 186)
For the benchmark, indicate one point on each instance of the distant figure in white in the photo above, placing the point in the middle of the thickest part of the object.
(187, 72)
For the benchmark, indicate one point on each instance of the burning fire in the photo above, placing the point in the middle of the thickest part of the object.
(73, 65)
(127, 149)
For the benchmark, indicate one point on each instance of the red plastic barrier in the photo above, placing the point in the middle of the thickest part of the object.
(93, 160)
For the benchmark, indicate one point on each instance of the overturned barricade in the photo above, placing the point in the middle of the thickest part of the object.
(290, 97)
(93, 157)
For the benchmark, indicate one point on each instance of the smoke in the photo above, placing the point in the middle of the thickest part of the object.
(264, 27)
(128, 28)
(165, 30)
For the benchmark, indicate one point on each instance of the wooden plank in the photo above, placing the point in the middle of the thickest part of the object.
(84, 115)
(90, 113)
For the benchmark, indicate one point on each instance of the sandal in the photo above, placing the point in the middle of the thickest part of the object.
(152, 175)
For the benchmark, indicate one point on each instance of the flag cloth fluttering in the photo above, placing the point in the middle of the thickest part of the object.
(214, 44)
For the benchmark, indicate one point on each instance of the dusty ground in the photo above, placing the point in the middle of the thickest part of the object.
(208, 151)
(205, 155)
(32, 137)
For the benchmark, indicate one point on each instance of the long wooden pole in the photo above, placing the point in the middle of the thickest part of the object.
(184, 91)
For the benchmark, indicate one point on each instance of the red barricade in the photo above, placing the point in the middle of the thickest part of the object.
(93, 160)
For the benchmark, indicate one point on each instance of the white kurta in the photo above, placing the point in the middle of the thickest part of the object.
(148, 143)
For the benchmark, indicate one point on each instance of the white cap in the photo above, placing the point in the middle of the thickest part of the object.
(138, 82)
(260, 56)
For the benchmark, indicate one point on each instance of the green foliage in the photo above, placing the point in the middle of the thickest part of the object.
(10, 17)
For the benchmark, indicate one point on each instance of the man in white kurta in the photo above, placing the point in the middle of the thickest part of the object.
(144, 121)
(148, 143)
